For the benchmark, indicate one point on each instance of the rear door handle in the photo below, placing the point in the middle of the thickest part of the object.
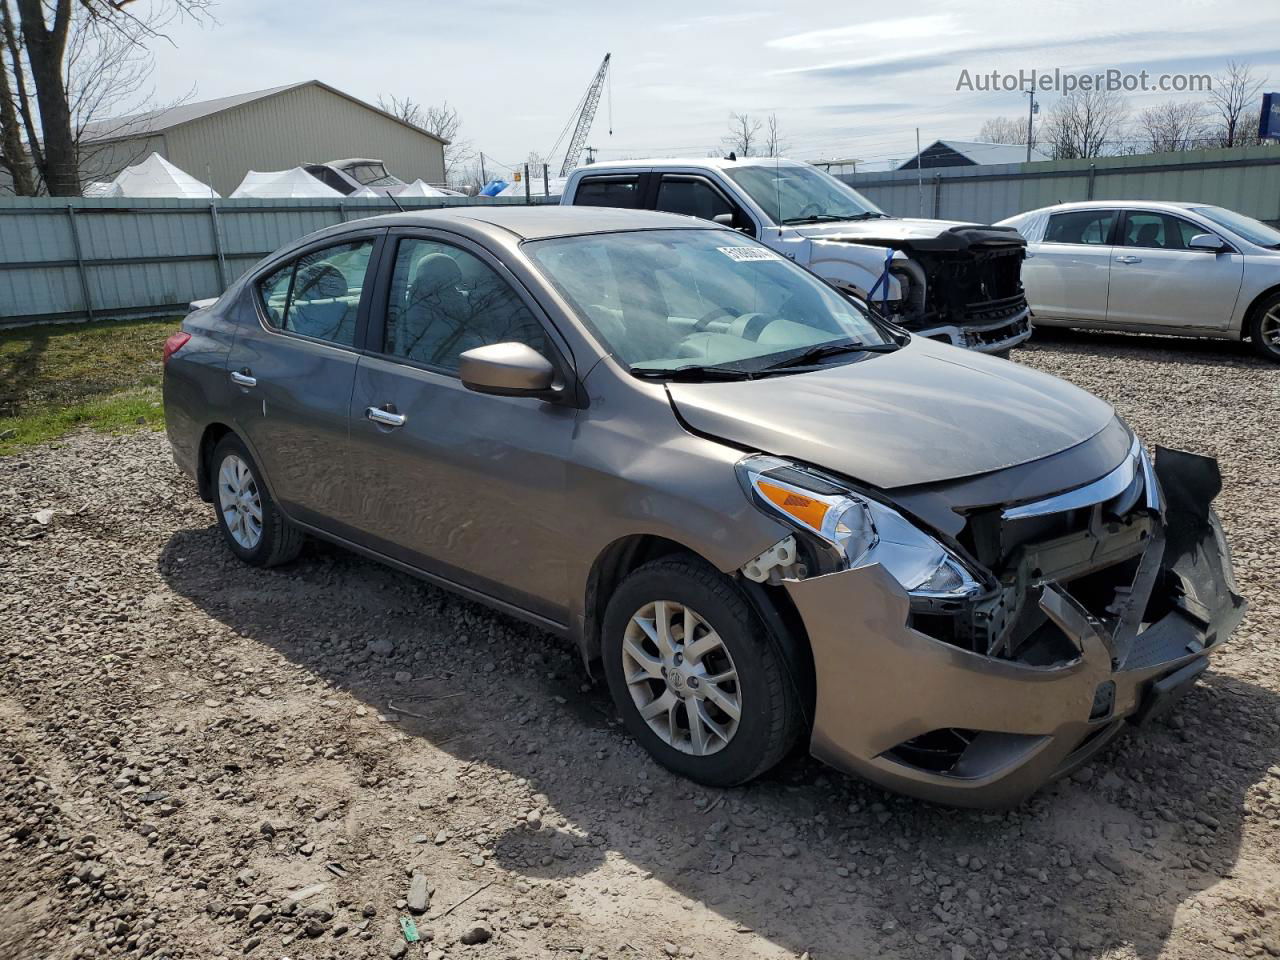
(1128, 259)
(386, 418)
(243, 378)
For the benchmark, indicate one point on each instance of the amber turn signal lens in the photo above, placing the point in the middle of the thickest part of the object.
(808, 510)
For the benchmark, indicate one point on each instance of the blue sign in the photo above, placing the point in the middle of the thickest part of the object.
(1269, 127)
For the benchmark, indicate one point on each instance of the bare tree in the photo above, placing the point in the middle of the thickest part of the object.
(774, 145)
(1084, 123)
(1005, 130)
(13, 153)
(37, 49)
(743, 136)
(1172, 126)
(440, 121)
(1232, 98)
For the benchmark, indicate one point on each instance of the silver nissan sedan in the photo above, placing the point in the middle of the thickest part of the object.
(767, 515)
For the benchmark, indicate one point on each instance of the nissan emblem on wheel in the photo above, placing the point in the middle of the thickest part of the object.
(767, 516)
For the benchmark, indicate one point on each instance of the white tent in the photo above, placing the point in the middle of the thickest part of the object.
(418, 188)
(535, 188)
(283, 183)
(100, 188)
(366, 193)
(157, 177)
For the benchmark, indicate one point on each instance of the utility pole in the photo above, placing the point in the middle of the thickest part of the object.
(1032, 109)
(591, 155)
(483, 178)
(919, 175)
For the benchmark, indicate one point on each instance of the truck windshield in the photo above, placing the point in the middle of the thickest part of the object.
(681, 301)
(801, 194)
(1255, 231)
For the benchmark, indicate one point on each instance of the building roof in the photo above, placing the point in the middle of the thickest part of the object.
(978, 152)
(157, 121)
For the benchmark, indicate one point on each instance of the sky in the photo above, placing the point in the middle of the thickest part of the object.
(845, 79)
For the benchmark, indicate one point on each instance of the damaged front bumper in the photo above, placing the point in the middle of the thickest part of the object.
(993, 337)
(927, 717)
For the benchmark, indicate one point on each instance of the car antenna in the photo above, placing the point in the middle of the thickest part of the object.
(392, 198)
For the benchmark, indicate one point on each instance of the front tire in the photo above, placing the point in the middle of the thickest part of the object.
(1264, 328)
(694, 674)
(251, 523)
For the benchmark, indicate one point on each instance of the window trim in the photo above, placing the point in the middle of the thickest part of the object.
(291, 258)
(1112, 234)
(738, 212)
(1200, 228)
(561, 356)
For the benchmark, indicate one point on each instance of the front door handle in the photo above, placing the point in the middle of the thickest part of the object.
(386, 418)
(244, 378)
(1128, 259)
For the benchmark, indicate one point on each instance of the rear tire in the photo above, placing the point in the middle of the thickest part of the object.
(692, 735)
(1264, 328)
(251, 523)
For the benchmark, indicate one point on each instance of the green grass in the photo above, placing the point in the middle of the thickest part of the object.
(102, 375)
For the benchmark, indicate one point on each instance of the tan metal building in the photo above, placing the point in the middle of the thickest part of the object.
(218, 141)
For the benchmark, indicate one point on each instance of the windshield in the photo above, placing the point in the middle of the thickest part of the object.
(799, 194)
(671, 299)
(371, 175)
(1255, 231)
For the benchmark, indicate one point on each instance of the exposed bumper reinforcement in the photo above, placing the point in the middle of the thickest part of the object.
(881, 683)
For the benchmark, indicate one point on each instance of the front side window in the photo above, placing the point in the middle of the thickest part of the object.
(608, 192)
(800, 194)
(445, 301)
(665, 299)
(693, 197)
(1091, 227)
(318, 295)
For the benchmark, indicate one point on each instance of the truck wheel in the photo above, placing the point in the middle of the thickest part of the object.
(695, 676)
(254, 528)
(1264, 329)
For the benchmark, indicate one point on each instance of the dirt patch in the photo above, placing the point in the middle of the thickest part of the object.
(200, 759)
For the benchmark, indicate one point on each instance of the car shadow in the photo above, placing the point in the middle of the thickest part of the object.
(1201, 351)
(806, 857)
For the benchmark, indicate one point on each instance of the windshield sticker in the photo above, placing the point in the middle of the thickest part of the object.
(744, 254)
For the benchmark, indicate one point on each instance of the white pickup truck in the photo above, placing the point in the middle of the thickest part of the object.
(956, 282)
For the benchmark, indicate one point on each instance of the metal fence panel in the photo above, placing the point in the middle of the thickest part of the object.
(1246, 179)
(77, 259)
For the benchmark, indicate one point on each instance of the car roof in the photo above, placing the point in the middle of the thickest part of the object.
(539, 221)
(1121, 204)
(705, 163)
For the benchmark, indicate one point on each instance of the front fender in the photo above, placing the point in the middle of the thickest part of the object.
(854, 266)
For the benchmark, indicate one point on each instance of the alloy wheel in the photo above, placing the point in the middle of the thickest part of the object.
(681, 677)
(240, 502)
(1269, 329)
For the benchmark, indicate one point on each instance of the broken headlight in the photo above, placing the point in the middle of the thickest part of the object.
(853, 529)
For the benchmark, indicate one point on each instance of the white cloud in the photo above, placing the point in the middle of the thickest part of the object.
(904, 28)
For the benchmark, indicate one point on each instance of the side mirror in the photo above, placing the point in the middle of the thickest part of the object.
(507, 370)
(729, 220)
(1206, 241)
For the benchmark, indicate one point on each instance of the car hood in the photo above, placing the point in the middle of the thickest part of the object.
(893, 228)
(926, 413)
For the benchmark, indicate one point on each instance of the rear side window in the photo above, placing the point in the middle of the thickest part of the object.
(1080, 226)
(319, 295)
(445, 301)
(608, 192)
(692, 197)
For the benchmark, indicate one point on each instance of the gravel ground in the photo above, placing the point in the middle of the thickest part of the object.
(203, 760)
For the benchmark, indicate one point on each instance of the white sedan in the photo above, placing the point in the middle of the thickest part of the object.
(1154, 267)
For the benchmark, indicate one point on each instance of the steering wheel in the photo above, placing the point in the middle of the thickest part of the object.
(706, 319)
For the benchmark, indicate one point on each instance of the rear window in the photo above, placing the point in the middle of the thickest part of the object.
(1080, 226)
(608, 192)
(319, 295)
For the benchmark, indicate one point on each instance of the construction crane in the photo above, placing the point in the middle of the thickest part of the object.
(585, 112)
